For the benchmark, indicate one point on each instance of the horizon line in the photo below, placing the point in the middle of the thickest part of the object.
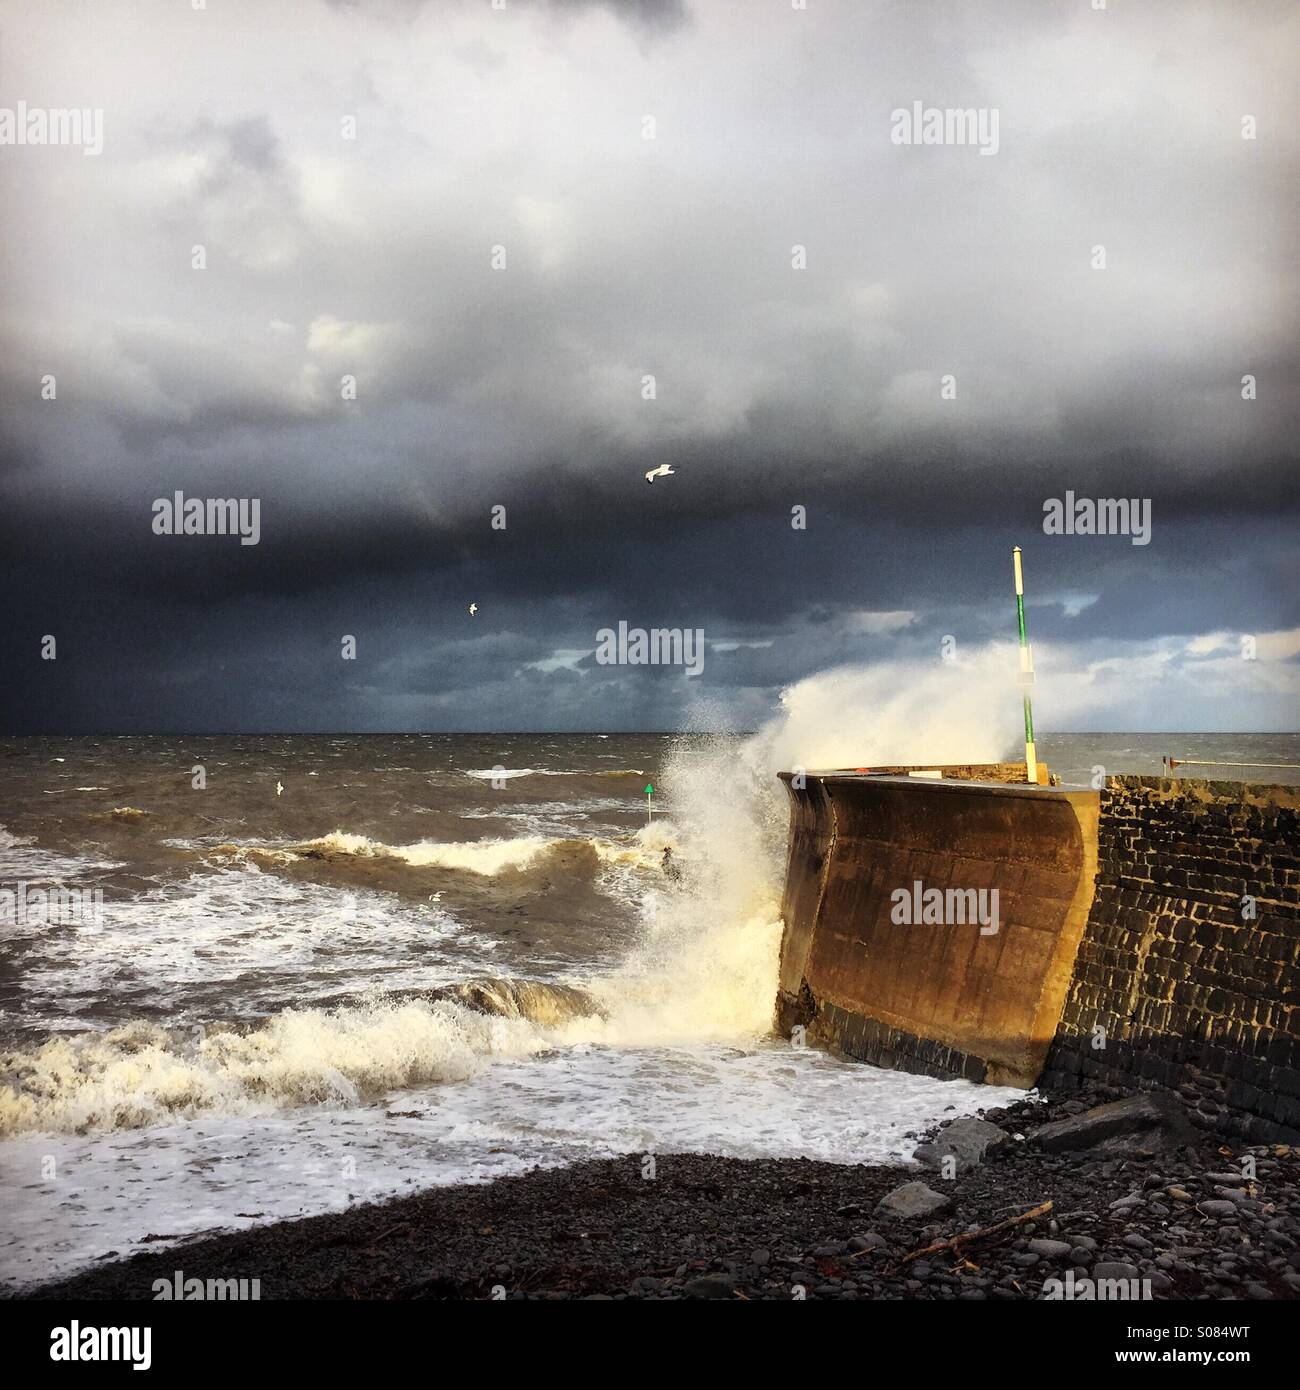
(594, 733)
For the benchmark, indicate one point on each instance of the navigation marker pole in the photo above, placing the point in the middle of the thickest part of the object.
(649, 806)
(1026, 671)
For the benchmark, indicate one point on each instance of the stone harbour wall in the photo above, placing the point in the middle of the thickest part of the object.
(1188, 973)
(1149, 935)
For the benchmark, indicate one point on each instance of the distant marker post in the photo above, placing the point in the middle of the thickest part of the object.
(1026, 671)
(649, 804)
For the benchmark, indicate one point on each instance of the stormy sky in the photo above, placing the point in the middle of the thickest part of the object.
(355, 174)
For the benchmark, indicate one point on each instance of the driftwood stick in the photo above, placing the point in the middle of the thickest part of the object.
(391, 1231)
(970, 1237)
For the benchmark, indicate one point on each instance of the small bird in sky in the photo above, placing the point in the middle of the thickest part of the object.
(473, 608)
(279, 787)
(665, 470)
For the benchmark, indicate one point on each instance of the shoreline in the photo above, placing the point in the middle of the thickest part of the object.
(1164, 1206)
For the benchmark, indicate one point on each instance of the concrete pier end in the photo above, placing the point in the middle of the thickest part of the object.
(944, 998)
(1147, 934)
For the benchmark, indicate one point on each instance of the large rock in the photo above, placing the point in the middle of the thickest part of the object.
(912, 1202)
(966, 1140)
(1050, 1249)
(710, 1286)
(1152, 1120)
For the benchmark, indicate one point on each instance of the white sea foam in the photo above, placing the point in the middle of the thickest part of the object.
(475, 856)
(21, 859)
(704, 968)
(676, 1055)
(235, 942)
(142, 1075)
(487, 773)
(485, 857)
(221, 1172)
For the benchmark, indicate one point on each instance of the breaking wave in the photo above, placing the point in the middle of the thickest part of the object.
(704, 967)
(484, 857)
(477, 857)
(488, 773)
(142, 1075)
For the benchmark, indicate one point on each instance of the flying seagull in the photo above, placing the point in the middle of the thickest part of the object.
(473, 608)
(665, 470)
(279, 787)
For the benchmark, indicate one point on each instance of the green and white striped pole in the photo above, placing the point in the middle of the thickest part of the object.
(1026, 671)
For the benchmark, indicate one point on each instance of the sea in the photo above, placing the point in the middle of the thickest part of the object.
(290, 974)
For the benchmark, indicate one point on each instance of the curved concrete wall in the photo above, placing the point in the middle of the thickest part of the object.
(1151, 929)
(946, 997)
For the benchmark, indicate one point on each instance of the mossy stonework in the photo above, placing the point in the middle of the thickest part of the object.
(1188, 974)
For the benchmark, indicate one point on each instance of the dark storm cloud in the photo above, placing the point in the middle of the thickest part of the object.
(370, 258)
(651, 14)
(647, 14)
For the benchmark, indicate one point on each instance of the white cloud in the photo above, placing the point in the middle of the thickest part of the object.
(873, 624)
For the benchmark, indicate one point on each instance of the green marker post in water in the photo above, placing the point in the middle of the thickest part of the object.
(649, 805)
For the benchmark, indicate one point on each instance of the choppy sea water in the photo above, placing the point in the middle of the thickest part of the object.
(424, 960)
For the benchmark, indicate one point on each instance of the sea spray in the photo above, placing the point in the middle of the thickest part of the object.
(706, 966)
(703, 969)
(957, 711)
